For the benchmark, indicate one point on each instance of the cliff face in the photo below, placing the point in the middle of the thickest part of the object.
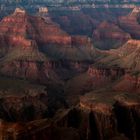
(102, 112)
(99, 116)
(126, 57)
(105, 118)
(30, 47)
(129, 83)
(19, 27)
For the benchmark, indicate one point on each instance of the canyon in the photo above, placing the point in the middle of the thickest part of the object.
(77, 82)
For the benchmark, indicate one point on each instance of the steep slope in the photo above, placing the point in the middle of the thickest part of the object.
(33, 47)
(111, 114)
(20, 39)
(19, 28)
(126, 57)
(130, 23)
(108, 35)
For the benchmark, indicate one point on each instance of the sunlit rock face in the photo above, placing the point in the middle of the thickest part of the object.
(127, 59)
(130, 23)
(29, 43)
(109, 102)
(126, 56)
(19, 28)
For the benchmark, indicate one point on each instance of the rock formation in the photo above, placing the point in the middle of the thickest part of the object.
(31, 45)
(130, 23)
(105, 114)
(21, 28)
(126, 57)
(108, 35)
(89, 94)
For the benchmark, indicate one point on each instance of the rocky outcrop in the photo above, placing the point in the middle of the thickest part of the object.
(30, 44)
(104, 114)
(40, 29)
(19, 27)
(127, 113)
(99, 116)
(126, 57)
(108, 35)
(39, 129)
(130, 23)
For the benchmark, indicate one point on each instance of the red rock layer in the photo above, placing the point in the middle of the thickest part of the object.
(19, 28)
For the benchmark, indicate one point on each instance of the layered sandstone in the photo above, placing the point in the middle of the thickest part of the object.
(20, 26)
(29, 43)
(102, 76)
